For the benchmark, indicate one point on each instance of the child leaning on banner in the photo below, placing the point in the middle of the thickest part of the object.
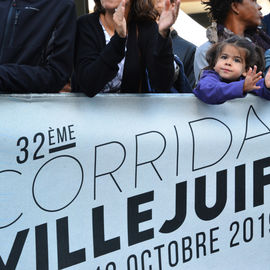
(232, 72)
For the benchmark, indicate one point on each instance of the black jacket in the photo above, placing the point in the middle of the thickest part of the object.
(97, 63)
(185, 51)
(36, 45)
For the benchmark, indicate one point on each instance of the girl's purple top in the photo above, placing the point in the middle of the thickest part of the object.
(212, 90)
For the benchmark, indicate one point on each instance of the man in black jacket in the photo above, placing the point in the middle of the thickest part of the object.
(36, 45)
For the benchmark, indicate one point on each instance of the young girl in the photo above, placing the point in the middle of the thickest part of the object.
(232, 72)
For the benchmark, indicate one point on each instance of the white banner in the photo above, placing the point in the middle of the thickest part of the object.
(129, 182)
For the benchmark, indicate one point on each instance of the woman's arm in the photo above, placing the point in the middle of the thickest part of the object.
(158, 57)
(95, 62)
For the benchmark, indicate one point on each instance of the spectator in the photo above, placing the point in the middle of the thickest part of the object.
(266, 23)
(231, 17)
(120, 48)
(37, 41)
(184, 49)
(232, 72)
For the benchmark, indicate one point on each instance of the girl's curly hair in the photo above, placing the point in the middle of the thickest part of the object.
(140, 10)
(254, 54)
(218, 9)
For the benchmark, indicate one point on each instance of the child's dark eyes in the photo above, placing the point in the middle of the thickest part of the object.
(237, 60)
(224, 57)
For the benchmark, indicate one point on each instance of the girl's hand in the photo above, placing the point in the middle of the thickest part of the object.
(168, 16)
(267, 79)
(119, 20)
(252, 78)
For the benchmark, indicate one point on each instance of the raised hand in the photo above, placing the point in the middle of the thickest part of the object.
(168, 16)
(252, 78)
(267, 79)
(119, 19)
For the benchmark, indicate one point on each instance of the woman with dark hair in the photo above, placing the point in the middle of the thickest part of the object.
(229, 18)
(121, 49)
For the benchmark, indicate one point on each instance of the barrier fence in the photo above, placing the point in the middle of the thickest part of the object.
(134, 182)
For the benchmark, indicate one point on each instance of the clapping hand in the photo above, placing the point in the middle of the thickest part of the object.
(252, 78)
(267, 79)
(120, 20)
(168, 16)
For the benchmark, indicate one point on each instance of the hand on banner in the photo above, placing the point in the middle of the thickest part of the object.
(252, 77)
(267, 79)
(168, 16)
(120, 20)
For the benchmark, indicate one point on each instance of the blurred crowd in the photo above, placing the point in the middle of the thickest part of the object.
(131, 46)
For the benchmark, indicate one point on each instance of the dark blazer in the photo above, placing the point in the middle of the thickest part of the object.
(185, 50)
(97, 63)
(36, 45)
(266, 24)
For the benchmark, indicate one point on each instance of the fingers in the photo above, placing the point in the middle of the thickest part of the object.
(120, 11)
(254, 69)
(249, 71)
(119, 19)
(167, 5)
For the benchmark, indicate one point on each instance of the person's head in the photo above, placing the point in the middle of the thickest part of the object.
(139, 9)
(232, 58)
(247, 11)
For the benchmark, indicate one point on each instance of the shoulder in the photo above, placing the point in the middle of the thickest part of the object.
(89, 24)
(266, 18)
(210, 74)
(204, 47)
(181, 41)
(67, 3)
(88, 18)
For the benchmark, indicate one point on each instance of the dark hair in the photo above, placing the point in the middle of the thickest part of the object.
(218, 9)
(254, 54)
(140, 10)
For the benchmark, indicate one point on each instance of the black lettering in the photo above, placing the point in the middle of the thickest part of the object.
(133, 256)
(240, 188)
(137, 164)
(42, 260)
(102, 247)
(264, 129)
(180, 209)
(212, 240)
(70, 131)
(186, 249)
(23, 150)
(135, 218)
(50, 136)
(65, 257)
(42, 139)
(175, 245)
(61, 137)
(110, 172)
(142, 258)
(158, 248)
(200, 244)
(202, 211)
(196, 128)
(15, 219)
(16, 251)
(260, 180)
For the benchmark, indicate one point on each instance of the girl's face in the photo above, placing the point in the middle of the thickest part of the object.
(249, 12)
(231, 63)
